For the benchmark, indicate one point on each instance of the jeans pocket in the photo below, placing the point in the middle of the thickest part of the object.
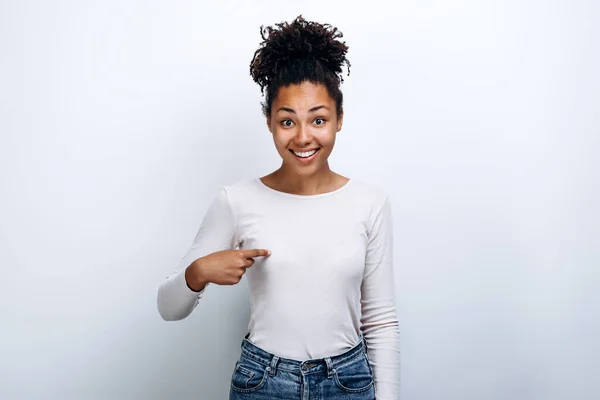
(248, 375)
(354, 376)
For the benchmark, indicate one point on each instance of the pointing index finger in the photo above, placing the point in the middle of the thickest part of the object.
(251, 253)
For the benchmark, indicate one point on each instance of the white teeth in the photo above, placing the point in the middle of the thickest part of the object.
(306, 154)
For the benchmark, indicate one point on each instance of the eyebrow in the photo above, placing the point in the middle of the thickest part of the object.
(311, 110)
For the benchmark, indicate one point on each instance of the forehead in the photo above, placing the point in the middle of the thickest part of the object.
(303, 95)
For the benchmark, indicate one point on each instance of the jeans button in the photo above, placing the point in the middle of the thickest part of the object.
(304, 367)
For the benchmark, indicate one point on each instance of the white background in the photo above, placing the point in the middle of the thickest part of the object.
(120, 120)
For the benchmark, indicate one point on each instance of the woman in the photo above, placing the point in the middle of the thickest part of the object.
(316, 246)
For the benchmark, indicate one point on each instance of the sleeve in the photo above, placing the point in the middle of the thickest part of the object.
(217, 232)
(379, 322)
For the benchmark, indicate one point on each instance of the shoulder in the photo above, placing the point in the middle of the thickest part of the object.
(376, 204)
(242, 191)
(369, 193)
(244, 185)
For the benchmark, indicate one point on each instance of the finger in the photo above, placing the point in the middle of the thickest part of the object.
(247, 263)
(251, 253)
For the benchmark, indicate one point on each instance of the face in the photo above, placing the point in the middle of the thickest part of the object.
(303, 119)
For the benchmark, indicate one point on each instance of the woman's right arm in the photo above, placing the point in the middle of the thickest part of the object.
(176, 299)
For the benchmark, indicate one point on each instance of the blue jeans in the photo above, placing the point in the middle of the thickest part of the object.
(260, 375)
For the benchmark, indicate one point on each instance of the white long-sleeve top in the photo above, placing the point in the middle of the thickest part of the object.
(329, 277)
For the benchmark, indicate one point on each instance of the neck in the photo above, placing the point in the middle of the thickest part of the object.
(291, 182)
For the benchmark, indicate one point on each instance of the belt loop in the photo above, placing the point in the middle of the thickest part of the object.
(330, 369)
(273, 367)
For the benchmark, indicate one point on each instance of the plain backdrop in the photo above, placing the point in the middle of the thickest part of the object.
(120, 120)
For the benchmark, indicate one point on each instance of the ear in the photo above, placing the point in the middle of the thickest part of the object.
(340, 121)
(269, 124)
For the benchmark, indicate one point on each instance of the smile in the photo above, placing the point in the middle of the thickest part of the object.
(305, 154)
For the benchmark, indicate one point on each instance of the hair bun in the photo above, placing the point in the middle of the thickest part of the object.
(300, 40)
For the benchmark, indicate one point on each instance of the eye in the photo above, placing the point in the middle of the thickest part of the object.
(319, 121)
(287, 122)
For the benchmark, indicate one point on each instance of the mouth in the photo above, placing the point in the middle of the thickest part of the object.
(305, 156)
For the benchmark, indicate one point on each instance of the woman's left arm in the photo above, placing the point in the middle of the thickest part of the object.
(379, 322)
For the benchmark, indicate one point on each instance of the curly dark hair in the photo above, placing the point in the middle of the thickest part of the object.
(299, 51)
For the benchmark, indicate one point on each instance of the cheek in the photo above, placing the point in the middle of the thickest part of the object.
(281, 145)
(326, 139)
(280, 141)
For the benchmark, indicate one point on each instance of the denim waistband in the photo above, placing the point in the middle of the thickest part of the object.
(252, 351)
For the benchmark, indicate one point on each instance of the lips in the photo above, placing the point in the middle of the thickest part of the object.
(306, 159)
(305, 153)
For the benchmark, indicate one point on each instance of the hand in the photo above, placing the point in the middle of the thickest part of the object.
(224, 267)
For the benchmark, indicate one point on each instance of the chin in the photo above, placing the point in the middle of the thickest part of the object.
(308, 170)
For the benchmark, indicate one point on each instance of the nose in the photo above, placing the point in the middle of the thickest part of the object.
(303, 136)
